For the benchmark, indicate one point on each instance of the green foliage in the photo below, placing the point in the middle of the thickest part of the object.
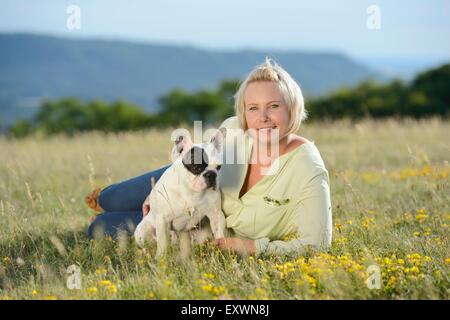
(70, 115)
(431, 91)
(206, 106)
(427, 95)
(21, 128)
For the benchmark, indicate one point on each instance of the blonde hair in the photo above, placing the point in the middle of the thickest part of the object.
(292, 94)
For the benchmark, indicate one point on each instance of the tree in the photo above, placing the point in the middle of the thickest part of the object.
(178, 106)
(434, 85)
(70, 115)
(21, 128)
(66, 115)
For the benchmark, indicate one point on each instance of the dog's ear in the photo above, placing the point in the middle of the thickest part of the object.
(218, 138)
(183, 143)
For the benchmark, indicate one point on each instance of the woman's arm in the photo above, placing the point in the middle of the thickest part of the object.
(243, 247)
(314, 215)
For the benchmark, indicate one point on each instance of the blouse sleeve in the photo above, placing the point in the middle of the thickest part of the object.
(313, 211)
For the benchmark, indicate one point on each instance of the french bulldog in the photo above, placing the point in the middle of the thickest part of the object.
(184, 195)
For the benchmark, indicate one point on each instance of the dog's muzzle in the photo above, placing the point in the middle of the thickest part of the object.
(210, 179)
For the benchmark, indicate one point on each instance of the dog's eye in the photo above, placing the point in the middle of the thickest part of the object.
(218, 167)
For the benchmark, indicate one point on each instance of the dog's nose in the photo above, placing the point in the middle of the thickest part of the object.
(210, 177)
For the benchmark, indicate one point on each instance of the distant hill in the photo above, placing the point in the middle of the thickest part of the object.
(402, 67)
(35, 67)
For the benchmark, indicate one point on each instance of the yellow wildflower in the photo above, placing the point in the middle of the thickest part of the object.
(100, 271)
(218, 290)
(341, 240)
(367, 222)
(207, 287)
(92, 290)
(421, 216)
(414, 256)
(169, 282)
(260, 291)
(392, 281)
(338, 226)
(105, 283)
(112, 289)
(415, 269)
(312, 281)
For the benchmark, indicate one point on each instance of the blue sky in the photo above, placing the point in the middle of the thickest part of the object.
(408, 28)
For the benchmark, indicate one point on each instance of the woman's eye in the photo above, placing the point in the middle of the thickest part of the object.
(252, 108)
(275, 106)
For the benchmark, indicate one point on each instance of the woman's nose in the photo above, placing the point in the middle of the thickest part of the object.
(263, 115)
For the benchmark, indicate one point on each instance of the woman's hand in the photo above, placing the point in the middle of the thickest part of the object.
(146, 206)
(240, 246)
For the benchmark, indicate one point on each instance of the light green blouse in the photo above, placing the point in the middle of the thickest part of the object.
(284, 212)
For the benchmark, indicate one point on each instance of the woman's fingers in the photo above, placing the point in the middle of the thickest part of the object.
(145, 208)
(224, 243)
(242, 247)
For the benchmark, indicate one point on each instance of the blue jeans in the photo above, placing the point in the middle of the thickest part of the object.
(122, 205)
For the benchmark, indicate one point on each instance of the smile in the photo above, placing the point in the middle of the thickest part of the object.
(267, 128)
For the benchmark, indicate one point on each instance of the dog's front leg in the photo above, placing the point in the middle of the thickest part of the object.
(217, 221)
(162, 235)
(143, 232)
(185, 244)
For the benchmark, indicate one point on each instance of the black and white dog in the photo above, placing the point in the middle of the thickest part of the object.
(185, 194)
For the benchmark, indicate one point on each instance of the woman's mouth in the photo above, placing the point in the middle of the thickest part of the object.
(267, 129)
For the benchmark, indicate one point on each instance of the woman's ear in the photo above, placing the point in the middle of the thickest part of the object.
(183, 143)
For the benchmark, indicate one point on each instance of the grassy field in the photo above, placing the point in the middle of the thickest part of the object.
(391, 208)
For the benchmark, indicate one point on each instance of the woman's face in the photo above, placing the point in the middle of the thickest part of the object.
(265, 111)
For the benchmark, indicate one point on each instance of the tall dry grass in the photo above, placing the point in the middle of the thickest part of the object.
(390, 196)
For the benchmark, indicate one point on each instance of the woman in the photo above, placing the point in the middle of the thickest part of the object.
(274, 203)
